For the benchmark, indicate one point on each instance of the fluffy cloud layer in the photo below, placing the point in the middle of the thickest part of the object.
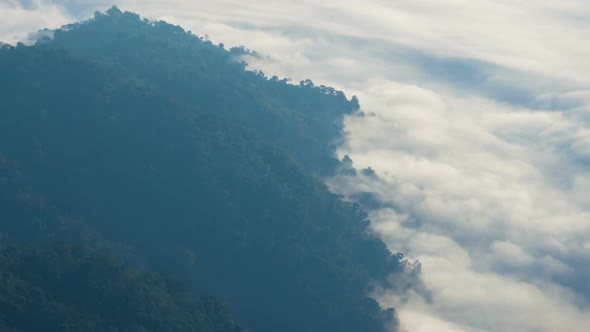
(21, 18)
(487, 197)
(480, 136)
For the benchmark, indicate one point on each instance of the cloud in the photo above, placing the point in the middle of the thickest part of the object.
(21, 18)
(480, 139)
(486, 197)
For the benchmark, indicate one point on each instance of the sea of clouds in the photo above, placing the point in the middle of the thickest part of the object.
(477, 125)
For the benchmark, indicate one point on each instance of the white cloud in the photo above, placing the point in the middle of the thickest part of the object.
(481, 138)
(18, 21)
(494, 231)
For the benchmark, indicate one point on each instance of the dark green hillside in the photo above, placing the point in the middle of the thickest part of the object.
(305, 120)
(69, 289)
(144, 140)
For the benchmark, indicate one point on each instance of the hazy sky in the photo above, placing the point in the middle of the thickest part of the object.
(480, 135)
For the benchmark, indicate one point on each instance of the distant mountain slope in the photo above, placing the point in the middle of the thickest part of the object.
(69, 289)
(305, 120)
(139, 138)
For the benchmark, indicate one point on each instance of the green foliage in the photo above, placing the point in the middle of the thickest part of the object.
(305, 120)
(70, 289)
(149, 142)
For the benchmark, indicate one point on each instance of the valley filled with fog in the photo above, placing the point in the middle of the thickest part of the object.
(475, 119)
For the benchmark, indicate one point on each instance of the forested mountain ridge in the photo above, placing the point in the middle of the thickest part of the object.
(304, 120)
(139, 139)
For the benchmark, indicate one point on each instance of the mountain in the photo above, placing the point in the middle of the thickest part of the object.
(71, 289)
(137, 139)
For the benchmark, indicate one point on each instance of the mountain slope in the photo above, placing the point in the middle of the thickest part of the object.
(70, 289)
(144, 140)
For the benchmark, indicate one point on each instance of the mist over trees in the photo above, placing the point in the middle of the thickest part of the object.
(131, 138)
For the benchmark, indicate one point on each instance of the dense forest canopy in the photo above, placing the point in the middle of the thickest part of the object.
(66, 288)
(137, 139)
